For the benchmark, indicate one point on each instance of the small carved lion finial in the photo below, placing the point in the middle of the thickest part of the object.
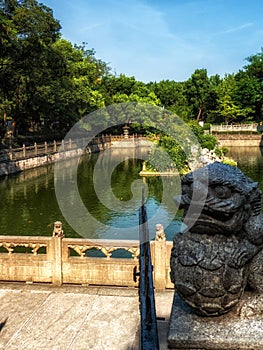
(58, 232)
(160, 235)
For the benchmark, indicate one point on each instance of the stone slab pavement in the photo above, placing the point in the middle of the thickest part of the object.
(38, 316)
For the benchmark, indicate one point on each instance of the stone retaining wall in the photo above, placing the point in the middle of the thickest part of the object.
(239, 140)
(15, 166)
(239, 143)
(131, 143)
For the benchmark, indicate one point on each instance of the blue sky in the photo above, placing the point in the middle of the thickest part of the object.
(158, 40)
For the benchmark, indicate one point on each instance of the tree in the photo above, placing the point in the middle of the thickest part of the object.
(26, 60)
(117, 85)
(228, 110)
(248, 95)
(44, 79)
(197, 89)
(79, 87)
(172, 96)
(249, 92)
(255, 66)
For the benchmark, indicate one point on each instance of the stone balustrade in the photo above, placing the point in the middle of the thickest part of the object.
(49, 148)
(234, 128)
(20, 159)
(59, 260)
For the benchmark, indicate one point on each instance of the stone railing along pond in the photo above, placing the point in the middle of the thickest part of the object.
(58, 260)
(28, 157)
(14, 160)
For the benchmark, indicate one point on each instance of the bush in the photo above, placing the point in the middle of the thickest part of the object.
(168, 156)
(229, 161)
(170, 151)
(208, 141)
(221, 151)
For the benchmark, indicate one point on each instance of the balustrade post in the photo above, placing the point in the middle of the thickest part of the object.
(56, 253)
(24, 150)
(45, 147)
(55, 146)
(10, 153)
(159, 261)
(35, 147)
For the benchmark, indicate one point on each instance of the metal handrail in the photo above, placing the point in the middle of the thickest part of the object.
(149, 331)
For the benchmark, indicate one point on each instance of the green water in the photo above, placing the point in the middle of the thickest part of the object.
(29, 205)
(250, 161)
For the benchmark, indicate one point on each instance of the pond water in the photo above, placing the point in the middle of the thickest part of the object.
(250, 161)
(110, 189)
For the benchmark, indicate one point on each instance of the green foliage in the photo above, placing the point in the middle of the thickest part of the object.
(44, 79)
(27, 61)
(221, 151)
(196, 128)
(208, 141)
(248, 95)
(205, 140)
(171, 153)
(168, 156)
(199, 94)
(228, 110)
(206, 126)
(48, 82)
(229, 161)
(127, 89)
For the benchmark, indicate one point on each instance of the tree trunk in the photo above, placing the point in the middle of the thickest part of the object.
(199, 114)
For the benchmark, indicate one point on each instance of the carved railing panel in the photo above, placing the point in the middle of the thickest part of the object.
(107, 250)
(34, 244)
(60, 260)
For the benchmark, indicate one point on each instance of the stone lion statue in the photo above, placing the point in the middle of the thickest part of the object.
(214, 260)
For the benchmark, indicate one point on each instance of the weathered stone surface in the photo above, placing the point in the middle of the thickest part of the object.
(41, 316)
(221, 251)
(241, 328)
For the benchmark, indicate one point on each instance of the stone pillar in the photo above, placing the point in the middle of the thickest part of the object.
(56, 248)
(126, 132)
(10, 153)
(159, 263)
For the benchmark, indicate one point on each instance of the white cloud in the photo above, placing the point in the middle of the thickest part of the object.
(238, 28)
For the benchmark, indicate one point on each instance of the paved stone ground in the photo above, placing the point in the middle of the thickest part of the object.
(75, 317)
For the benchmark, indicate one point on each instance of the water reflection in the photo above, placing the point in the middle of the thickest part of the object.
(110, 188)
(250, 161)
(29, 205)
